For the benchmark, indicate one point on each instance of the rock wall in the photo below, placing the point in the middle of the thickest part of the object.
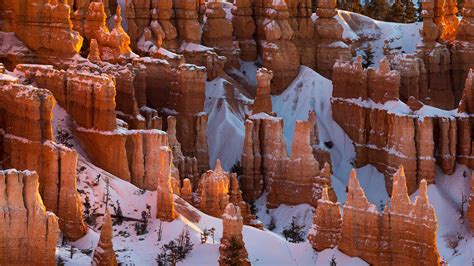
(265, 164)
(389, 137)
(28, 234)
(393, 236)
(470, 205)
(104, 254)
(232, 248)
(26, 127)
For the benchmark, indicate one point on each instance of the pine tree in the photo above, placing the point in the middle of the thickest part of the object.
(294, 232)
(397, 12)
(368, 57)
(376, 9)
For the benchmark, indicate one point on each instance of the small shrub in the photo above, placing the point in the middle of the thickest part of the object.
(272, 224)
(294, 232)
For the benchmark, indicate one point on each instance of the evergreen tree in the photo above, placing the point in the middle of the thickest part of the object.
(397, 12)
(377, 9)
(294, 232)
(418, 16)
(368, 57)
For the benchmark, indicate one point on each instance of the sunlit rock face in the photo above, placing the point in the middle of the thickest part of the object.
(26, 132)
(33, 22)
(165, 203)
(392, 236)
(104, 253)
(462, 49)
(28, 234)
(437, 60)
(232, 238)
(266, 164)
(263, 100)
(213, 191)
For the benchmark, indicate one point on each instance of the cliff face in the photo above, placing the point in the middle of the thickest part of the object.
(265, 164)
(28, 234)
(388, 138)
(244, 29)
(232, 248)
(26, 129)
(386, 238)
(303, 26)
(165, 210)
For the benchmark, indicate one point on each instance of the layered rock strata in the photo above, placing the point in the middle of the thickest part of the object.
(265, 164)
(274, 35)
(393, 236)
(28, 233)
(104, 254)
(217, 32)
(325, 233)
(389, 137)
(244, 29)
(462, 49)
(437, 61)
(232, 248)
(329, 47)
(26, 134)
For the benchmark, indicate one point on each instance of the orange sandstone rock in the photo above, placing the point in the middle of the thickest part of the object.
(165, 210)
(213, 191)
(470, 206)
(263, 100)
(104, 253)
(187, 191)
(326, 230)
(232, 238)
(244, 29)
(28, 234)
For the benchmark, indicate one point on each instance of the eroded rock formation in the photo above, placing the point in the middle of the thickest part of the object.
(265, 163)
(392, 236)
(330, 46)
(26, 129)
(104, 253)
(244, 29)
(389, 137)
(213, 191)
(470, 206)
(263, 100)
(274, 35)
(303, 26)
(325, 233)
(165, 203)
(232, 248)
(28, 234)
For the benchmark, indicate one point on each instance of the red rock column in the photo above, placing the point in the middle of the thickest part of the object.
(330, 46)
(232, 248)
(165, 202)
(470, 205)
(244, 29)
(263, 100)
(189, 29)
(326, 230)
(104, 254)
(213, 191)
